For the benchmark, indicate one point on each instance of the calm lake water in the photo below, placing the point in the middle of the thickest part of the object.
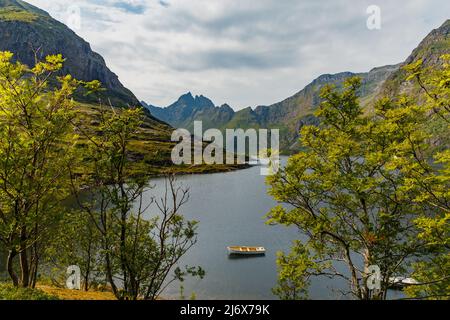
(231, 208)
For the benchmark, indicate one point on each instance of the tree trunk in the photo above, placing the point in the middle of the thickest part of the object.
(24, 267)
(109, 276)
(10, 267)
(23, 256)
(123, 237)
(86, 281)
(34, 266)
(34, 263)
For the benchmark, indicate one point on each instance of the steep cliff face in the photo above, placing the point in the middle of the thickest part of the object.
(26, 30)
(433, 46)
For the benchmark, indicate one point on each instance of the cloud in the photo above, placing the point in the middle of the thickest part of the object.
(243, 52)
(164, 3)
(130, 6)
(136, 9)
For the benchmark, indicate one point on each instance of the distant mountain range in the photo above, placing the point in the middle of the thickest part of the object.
(294, 112)
(187, 109)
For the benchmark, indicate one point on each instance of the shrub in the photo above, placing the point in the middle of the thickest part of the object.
(9, 292)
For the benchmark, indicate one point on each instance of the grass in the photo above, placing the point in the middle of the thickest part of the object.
(15, 14)
(150, 148)
(66, 294)
(46, 292)
(9, 292)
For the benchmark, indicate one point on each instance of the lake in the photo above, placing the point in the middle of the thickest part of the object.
(230, 208)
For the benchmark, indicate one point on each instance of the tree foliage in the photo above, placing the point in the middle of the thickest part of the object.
(36, 143)
(141, 243)
(369, 189)
(45, 166)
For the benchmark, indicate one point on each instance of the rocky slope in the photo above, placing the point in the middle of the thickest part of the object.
(430, 49)
(25, 29)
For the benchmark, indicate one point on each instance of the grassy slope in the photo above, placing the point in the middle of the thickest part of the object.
(47, 292)
(152, 146)
(16, 10)
(12, 14)
(66, 294)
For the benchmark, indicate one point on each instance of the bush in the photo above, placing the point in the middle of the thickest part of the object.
(9, 292)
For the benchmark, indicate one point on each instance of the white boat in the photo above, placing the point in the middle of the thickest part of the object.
(402, 282)
(248, 251)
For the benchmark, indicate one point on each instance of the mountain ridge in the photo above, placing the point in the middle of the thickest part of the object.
(290, 114)
(28, 31)
(24, 27)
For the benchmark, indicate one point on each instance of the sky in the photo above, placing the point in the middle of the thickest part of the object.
(243, 52)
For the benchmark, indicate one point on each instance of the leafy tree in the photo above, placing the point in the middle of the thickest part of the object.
(36, 140)
(344, 193)
(427, 166)
(140, 248)
(76, 242)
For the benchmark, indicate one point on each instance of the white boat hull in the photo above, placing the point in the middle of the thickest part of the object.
(246, 251)
(402, 282)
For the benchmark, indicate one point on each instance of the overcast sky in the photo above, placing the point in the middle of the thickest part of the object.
(242, 52)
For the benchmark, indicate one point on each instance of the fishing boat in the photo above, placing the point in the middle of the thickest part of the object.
(247, 251)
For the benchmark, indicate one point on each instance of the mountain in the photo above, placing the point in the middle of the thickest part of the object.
(25, 29)
(187, 109)
(296, 111)
(288, 115)
(430, 49)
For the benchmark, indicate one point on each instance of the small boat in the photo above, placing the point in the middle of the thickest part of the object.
(248, 251)
(401, 282)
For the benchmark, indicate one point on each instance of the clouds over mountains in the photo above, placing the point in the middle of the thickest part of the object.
(241, 51)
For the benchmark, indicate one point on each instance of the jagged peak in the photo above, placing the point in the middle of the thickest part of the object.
(204, 101)
(197, 101)
(186, 98)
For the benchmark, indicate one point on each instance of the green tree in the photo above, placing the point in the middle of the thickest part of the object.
(140, 248)
(344, 193)
(427, 166)
(76, 242)
(36, 140)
